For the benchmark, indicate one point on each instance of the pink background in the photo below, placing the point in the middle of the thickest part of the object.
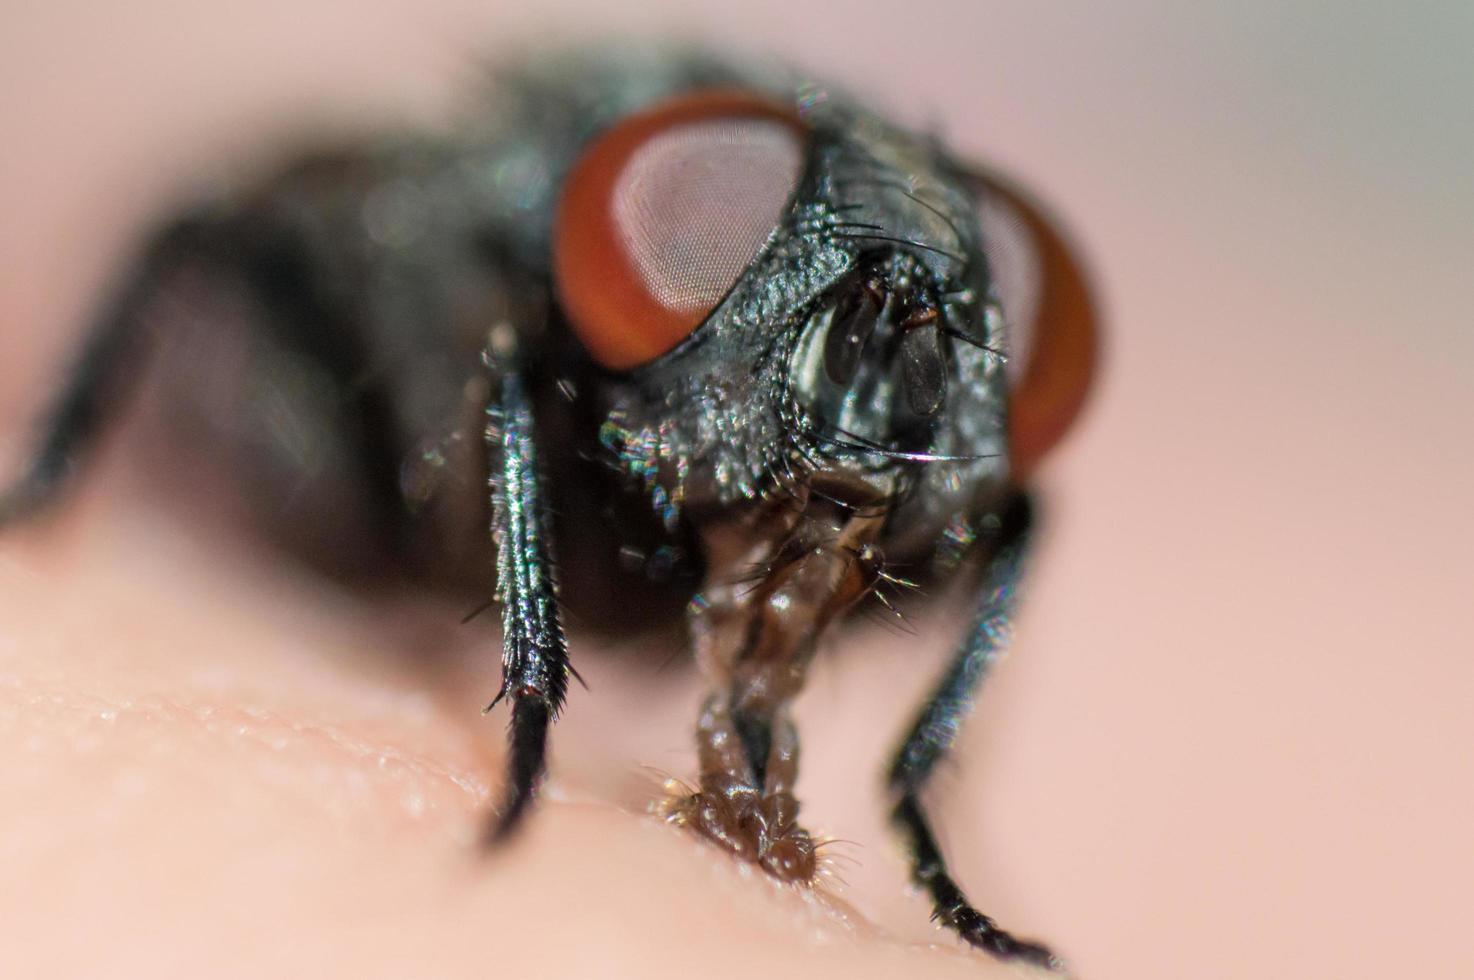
(1235, 736)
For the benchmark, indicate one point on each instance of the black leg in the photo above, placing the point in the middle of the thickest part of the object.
(274, 267)
(97, 383)
(312, 322)
(535, 665)
(936, 729)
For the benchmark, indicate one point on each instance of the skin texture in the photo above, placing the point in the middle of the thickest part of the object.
(1232, 740)
(302, 775)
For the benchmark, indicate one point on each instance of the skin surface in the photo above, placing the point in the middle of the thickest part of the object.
(1233, 737)
(299, 794)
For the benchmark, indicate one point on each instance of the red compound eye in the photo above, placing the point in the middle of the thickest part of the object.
(664, 212)
(1052, 320)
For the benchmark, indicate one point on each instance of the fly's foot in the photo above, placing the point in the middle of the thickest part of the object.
(981, 932)
(759, 829)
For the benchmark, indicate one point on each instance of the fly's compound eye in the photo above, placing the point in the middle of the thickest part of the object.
(663, 214)
(1053, 321)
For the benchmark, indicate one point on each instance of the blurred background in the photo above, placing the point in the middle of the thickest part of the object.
(1235, 737)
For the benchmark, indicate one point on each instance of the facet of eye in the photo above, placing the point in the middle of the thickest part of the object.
(662, 215)
(1052, 320)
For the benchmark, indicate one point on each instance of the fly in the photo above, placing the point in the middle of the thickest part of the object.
(775, 322)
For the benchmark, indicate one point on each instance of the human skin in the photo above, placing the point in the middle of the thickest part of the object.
(223, 773)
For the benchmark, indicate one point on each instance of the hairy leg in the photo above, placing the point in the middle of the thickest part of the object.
(535, 664)
(936, 729)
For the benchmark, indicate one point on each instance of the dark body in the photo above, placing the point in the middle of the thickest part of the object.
(842, 411)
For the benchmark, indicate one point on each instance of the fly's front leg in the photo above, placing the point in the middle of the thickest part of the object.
(535, 664)
(934, 731)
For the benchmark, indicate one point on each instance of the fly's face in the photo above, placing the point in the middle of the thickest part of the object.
(808, 296)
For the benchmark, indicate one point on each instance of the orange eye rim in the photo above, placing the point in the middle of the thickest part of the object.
(1065, 354)
(601, 293)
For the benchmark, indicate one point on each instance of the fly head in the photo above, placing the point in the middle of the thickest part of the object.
(864, 343)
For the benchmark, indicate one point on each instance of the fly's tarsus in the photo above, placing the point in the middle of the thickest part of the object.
(526, 762)
(949, 905)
